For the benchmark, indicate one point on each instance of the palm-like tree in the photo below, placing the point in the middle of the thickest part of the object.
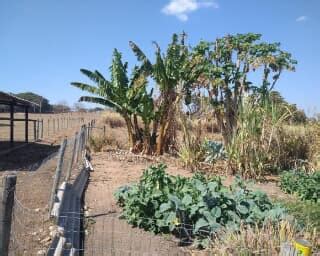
(126, 96)
(174, 72)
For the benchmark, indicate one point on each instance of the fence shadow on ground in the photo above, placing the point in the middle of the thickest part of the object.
(25, 155)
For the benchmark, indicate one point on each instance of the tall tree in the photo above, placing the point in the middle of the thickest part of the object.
(230, 60)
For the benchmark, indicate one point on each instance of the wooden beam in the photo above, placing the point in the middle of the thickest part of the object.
(11, 124)
(26, 131)
(16, 119)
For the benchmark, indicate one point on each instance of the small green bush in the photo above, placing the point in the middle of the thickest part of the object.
(163, 203)
(305, 186)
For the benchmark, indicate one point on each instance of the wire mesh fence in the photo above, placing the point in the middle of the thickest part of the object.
(109, 235)
(33, 228)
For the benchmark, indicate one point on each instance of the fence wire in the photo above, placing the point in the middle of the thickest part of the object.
(109, 235)
(32, 230)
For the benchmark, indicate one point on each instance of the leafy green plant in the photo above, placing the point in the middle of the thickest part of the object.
(163, 203)
(213, 151)
(304, 185)
(127, 96)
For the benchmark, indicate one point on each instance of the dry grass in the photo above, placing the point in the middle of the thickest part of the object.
(112, 140)
(314, 152)
(113, 119)
(265, 240)
(302, 146)
(115, 136)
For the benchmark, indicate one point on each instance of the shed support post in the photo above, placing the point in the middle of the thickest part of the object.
(11, 124)
(26, 116)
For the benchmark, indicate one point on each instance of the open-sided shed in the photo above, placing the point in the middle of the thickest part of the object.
(15, 102)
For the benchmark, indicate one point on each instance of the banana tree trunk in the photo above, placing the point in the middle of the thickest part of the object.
(136, 128)
(160, 139)
(166, 119)
(131, 135)
(146, 139)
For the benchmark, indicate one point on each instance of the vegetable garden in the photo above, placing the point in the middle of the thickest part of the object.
(257, 135)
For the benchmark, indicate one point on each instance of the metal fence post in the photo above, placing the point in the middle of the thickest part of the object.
(72, 157)
(57, 174)
(7, 189)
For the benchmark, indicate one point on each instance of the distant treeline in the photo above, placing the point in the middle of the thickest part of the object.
(44, 106)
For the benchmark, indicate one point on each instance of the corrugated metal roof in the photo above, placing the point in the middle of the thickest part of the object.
(7, 98)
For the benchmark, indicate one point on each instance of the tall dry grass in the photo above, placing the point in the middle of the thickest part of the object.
(265, 143)
(113, 119)
(115, 136)
(256, 146)
(265, 240)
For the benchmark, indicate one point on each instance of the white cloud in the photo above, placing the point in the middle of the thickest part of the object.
(301, 18)
(181, 8)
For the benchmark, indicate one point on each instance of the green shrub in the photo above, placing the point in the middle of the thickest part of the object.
(304, 185)
(163, 203)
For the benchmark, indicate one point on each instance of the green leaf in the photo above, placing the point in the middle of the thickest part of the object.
(187, 200)
(216, 212)
(201, 223)
(242, 209)
(165, 207)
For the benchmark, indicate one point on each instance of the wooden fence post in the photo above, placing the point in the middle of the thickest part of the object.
(72, 157)
(104, 131)
(57, 174)
(88, 130)
(35, 130)
(38, 129)
(41, 128)
(7, 189)
(48, 132)
(79, 145)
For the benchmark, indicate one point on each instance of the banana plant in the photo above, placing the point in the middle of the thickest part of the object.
(125, 96)
(174, 72)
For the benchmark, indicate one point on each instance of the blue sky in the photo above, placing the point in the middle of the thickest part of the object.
(44, 43)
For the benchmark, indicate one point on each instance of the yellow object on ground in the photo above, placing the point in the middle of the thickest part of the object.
(303, 247)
